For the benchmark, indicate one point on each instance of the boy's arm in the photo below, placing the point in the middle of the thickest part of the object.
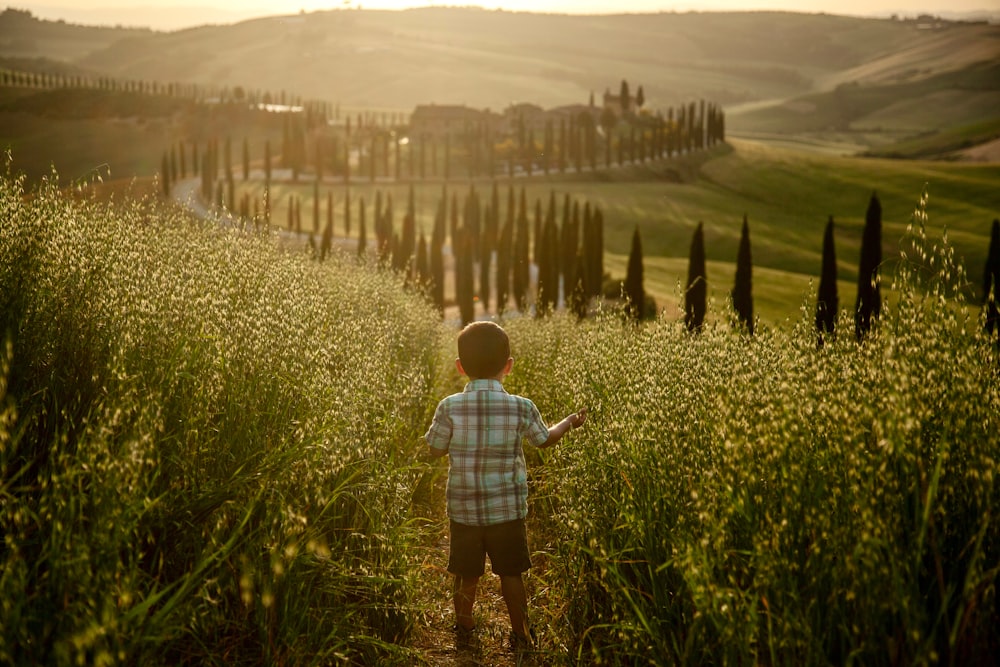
(435, 453)
(558, 430)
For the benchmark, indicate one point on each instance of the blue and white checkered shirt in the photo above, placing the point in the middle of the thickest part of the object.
(482, 429)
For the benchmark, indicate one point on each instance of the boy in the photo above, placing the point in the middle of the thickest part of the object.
(481, 430)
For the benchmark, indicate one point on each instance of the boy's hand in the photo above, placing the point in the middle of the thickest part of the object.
(577, 419)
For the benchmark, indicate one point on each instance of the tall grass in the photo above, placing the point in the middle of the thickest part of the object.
(739, 500)
(201, 443)
(206, 447)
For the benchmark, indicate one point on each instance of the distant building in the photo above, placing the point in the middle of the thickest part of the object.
(531, 115)
(614, 102)
(439, 120)
(574, 111)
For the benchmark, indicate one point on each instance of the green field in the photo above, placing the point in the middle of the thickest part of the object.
(786, 195)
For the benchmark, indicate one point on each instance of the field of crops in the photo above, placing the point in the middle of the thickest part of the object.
(208, 456)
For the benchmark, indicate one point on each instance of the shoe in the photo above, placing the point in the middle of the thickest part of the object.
(465, 638)
(519, 643)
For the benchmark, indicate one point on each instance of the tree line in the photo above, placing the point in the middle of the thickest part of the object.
(868, 302)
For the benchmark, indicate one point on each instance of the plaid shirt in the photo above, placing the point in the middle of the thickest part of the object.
(481, 429)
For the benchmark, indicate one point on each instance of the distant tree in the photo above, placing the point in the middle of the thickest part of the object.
(869, 301)
(608, 123)
(384, 233)
(326, 241)
(548, 146)
(174, 171)
(595, 254)
(422, 268)
(640, 98)
(696, 293)
(577, 300)
(329, 212)
(743, 287)
(362, 225)
(634, 292)
(991, 282)
(624, 97)
(437, 272)
(562, 154)
(464, 290)
(246, 159)
(521, 266)
(827, 302)
(447, 156)
(347, 212)
(165, 175)
(407, 245)
(504, 250)
(548, 268)
(267, 161)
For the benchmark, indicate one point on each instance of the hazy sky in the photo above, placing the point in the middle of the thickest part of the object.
(170, 14)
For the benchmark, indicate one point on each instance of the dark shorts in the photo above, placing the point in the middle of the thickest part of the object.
(505, 543)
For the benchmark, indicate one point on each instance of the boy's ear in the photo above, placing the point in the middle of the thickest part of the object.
(508, 366)
(458, 365)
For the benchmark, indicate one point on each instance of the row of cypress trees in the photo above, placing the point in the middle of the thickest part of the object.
(494, 248)
(868, 303)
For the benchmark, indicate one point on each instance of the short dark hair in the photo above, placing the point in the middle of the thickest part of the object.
(483, 349)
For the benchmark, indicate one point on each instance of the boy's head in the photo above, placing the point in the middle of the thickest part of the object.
(483, 349)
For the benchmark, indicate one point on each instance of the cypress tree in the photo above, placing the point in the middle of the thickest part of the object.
(246, 160)
(869, 301)
(504, 249)
(408, 239)
(422, 269)
(182, 154)
(991, 282)
(362, 225)
(267, 161)
(742, 294)
(576, 302)
(437, 273)
(326, 242)
(485, 256)
(546, 249)
(463, 276)
(521, 263)
(347, 211)
(595, 261)
(329, 212)
(696, 294)
(165, 175)
(827, 303)
(623, 97)
(384, 233)
(634, 293)
(315, 206)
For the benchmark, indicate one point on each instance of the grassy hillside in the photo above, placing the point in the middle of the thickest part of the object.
(380, 59)
(24, 36)
(924, 117)
(787, 196)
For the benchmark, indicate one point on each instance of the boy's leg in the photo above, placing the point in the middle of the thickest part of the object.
(464, 597)
(516, 598)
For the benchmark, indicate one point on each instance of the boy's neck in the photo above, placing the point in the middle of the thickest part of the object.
(499, 378)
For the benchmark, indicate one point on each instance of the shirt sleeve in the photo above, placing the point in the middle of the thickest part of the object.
(438, 435)
(536, 430)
